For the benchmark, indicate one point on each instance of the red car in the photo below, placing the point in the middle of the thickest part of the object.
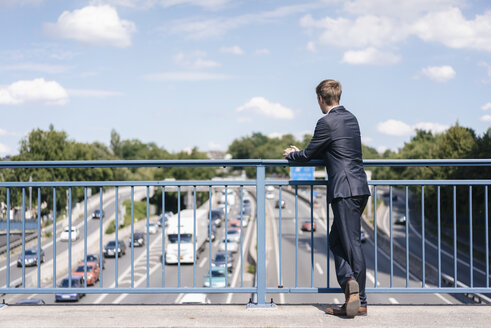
(306, 226)
(93, 272)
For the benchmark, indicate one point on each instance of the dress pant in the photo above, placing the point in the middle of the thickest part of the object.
(345, 244)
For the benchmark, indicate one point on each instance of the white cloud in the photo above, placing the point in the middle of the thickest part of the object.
(262, 106)
(311, 46)
(370, 56)
(195, 60)
(234, 50)
(382, 149)
(398, 128)
(33, 67)
(93, 25)
(263, 51)
(36, 91)
(186, 76)
(366, 140)
(433, 127)
(4, 150)
(394, 128)
(215, 146)
(486, 106)
(439, 73)
(3, 132)
(486, 118)
(244, 119)
(453, 30)
(93, 93)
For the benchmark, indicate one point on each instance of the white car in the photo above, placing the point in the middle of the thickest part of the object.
(65, 235)
(233, 235)
(153, 228)
(232, 246)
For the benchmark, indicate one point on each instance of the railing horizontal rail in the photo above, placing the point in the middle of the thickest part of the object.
(235, 162)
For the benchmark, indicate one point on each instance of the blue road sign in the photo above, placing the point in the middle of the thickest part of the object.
(302, 173)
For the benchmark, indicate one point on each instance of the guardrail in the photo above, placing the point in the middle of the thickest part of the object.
(259, 185)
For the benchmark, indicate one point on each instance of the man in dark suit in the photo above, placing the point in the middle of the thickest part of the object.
(337, 141)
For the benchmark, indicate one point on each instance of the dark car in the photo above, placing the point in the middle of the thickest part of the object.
(138, 239)
(110, 249)
(164, 218)
(98, 214)
(216, 217)
(30, 257)
(77, 282)
(400, 219)
(213, 233)
(30, 301)
(363, 238)
(95, 258)
(277, 205)
(222, 260)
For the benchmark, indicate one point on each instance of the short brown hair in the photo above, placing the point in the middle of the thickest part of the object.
(330, 91)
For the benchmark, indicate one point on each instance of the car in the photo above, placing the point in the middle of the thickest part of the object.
(223, 259)
(308, 226)
(233, 235)
(93, 272)
(66, 235)
(152, 228)
(400, 219)
(110, 248)
(98, 214)
(231, 245)
(236, 223)
(246, 202)
(213, 233)
(30, 257)
(270, 194)
(217, 277)
(363, 238)
(95, 258)
(277, 205)
(30, 301)
(77, 282)
(138, 238)
(164, 218)
(216, 217)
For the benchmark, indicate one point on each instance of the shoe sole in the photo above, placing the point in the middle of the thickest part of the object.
(353, 301)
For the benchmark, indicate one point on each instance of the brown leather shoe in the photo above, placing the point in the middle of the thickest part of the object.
(352, 294)
(341, 311)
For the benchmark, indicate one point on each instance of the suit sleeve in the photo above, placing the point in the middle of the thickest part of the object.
(315, 149)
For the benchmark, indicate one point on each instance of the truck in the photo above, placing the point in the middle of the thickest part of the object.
(181, 227)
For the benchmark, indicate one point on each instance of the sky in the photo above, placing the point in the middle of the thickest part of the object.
(201, 73)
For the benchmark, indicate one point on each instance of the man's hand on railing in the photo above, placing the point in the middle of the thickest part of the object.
(290, 150)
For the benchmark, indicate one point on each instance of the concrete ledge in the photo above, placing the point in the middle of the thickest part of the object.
(305, 315)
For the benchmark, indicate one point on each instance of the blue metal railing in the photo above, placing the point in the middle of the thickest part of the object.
(303, 282)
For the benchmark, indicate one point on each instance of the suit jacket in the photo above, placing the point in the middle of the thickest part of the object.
(337, 141)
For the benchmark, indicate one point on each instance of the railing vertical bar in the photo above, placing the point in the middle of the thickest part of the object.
(391, 241)
(23, 237)
(226, 235)
(423, 258)
(209, 235)
(178, 236)
(241, 235)
(439, 239)
(132, 240)
(70, 237)
(194, 236)
(487, 233)
(116, 250)
(261, 234)
(39, 239)
(148, 236)
(163, 236)
(280, 276)
(311, 235)
(407, 236)
(327, 241)
(296, 235)
(85, 237)
(8, 239)
(375, 236)
(471, 269)
(101, 259)
(54, 237)
(455, 235)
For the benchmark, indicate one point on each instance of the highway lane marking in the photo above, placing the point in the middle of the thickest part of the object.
(277, 252)
(128, 270)
(307, 245)
(203, 261)
(393, 300)
(372, 278)
(318, 267)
